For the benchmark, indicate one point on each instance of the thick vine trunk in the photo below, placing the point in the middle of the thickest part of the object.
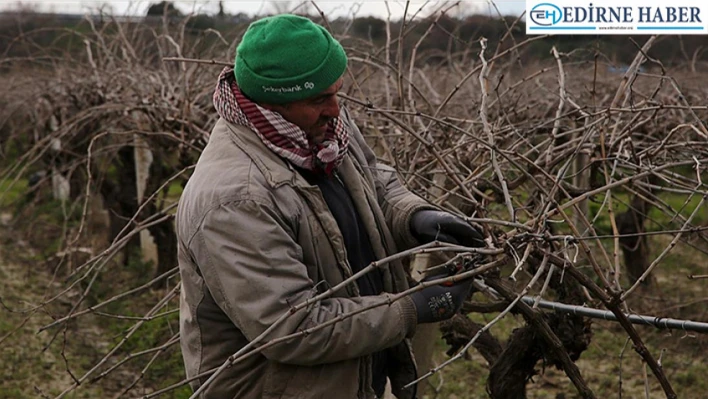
(634, 246)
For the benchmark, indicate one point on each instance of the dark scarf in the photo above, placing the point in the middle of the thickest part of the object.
(280, 136)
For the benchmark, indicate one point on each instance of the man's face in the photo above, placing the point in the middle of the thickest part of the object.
(312, 114)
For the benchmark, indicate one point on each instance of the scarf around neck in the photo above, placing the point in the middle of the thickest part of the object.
(285, 139)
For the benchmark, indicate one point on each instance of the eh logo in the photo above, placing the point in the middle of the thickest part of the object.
(546, 14)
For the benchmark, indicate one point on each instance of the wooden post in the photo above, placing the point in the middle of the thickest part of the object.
(143, 160)
(61, 190)
(425, 334)
(581, 179)
(60, 186)
(98, 224)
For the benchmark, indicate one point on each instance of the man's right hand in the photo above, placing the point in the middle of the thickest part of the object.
(440, 302)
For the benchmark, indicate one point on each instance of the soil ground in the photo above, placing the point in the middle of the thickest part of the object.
(28, 370)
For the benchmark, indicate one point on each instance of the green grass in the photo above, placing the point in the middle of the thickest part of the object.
(684, 358)
(682, 205)
(168, 369)
(174, 191)
(23, 365)
(599, 365)
(11, 191)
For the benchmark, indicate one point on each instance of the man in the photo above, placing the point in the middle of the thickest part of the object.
(285, 202)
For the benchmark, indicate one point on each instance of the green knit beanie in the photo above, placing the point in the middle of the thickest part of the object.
(286, 58)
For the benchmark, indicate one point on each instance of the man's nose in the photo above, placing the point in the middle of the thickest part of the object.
(331, 109)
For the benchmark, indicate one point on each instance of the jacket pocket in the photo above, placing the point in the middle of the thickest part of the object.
(285, 381)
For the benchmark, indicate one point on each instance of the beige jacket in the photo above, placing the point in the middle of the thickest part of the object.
(255, 239)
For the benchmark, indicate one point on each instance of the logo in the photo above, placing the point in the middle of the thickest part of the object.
(309, 85)
(290, 89)
(617, 17)
(546, 14)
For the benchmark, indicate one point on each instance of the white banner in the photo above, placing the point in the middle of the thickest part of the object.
(617, 17)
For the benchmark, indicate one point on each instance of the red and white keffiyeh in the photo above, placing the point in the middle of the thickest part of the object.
(280, 136)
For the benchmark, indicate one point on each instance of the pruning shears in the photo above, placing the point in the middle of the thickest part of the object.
(459, 266)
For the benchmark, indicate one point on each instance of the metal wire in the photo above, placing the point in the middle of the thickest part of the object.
(658, 322)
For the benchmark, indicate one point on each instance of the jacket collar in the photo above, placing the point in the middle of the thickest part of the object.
(276, 170)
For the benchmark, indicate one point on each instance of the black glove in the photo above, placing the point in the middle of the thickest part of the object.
(440, 302)
(429, 225)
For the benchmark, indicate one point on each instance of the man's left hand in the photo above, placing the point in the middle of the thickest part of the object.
(430, 225)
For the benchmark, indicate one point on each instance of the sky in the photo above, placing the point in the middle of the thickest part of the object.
(331, 8)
